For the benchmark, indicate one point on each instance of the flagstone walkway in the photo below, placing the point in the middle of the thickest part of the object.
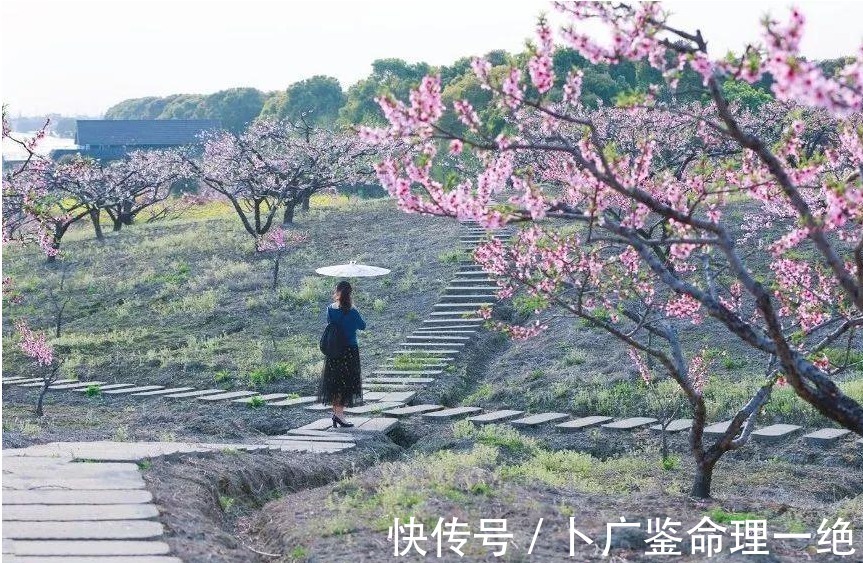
(59, 509)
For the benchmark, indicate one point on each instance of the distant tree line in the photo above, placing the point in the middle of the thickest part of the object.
(324, 101)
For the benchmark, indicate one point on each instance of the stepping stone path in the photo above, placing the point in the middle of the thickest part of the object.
(826, 436)
(629, 423)
(674, 426)
(582, 423)
(537, 419)
(494, 417)
(775, 432)
(103, 513)
(56, 509)
(452, 414)
(414, 409)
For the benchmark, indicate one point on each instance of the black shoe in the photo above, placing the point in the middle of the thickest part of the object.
(339, 422)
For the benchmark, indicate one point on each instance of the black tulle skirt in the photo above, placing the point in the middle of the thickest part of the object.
(341, 381)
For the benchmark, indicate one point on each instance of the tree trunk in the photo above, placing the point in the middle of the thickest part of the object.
(305, 206)
(126, 216)
(289, 214)
(59, 231)
(59, 323)
(42, 391)
(97, 226)
(703, 478)
(275, 273)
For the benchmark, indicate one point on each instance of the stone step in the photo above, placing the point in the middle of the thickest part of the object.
(71, 512)
(462, 297)
(16, 380)
(79, 385)
(400, 380)
(462, 321)
(133, 389)
(331, 437)
(438, 338)
(226, 396)
(326, 424)
(292, 402)
(448, 316)
(411, 410)
(826, 436)
(265, 398)
(717, 428)
(30, 468)
(122, 482)
(582, 423)
(433, 342)
(678, 425)
(119, 451)
(629, 423)
(411, 372)
(103, 388)
(399, 396)
(537, 419)
(105, 550)
(196, 393)
(452, 413)
(374, 407)
(316, 433)
(310, 447)
(109, 530)
(318, 407)
(775, 432)
(40, 382)
(468, 306)
(377, 425)
(88, 559)
(494, 416)
(361, 424)
(434, 350)
(437, 363)
(473, 289)
(455, 331)
(390, 387)
(64, 497)
(163, 392)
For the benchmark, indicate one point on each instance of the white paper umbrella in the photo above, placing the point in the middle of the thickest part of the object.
(352, 270)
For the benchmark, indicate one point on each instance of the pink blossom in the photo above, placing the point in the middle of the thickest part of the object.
(34, 345)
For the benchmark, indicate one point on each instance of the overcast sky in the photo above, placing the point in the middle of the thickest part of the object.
(82, 56)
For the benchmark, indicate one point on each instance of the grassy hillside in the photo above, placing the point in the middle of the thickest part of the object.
(189, 302)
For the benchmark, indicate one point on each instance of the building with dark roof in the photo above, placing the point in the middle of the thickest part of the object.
(108, 139)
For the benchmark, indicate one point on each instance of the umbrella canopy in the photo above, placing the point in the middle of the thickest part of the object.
(352, 270)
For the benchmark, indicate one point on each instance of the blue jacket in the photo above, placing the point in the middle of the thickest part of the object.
(349, 322)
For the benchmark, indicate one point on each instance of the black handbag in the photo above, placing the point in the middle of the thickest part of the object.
(334, 343)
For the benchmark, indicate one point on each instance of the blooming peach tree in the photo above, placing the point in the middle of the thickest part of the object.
(658, 217)
(275, 244)
(24, 221)
(276, 165)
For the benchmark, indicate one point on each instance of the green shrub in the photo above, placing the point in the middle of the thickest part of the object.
(379, 305)
(93, 391)
(451, 256)
(256, 402)
(272, 372)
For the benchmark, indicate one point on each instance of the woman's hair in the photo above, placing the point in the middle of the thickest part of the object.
(344, 288)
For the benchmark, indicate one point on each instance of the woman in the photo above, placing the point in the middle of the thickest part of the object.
(340, 381)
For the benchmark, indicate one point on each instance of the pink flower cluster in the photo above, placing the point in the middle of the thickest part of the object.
(279, 239)
(34, 345)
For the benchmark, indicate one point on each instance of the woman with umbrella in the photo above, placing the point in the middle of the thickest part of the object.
(340, 382)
